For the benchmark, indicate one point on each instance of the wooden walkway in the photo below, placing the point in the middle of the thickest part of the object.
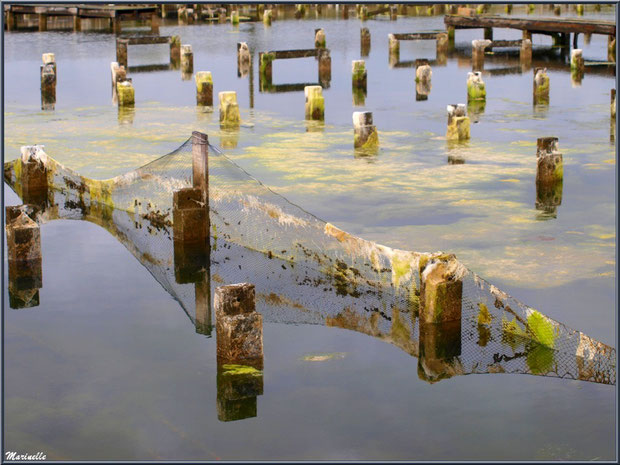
(533, 25)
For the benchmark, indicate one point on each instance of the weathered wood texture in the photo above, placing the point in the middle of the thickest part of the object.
(533, 24)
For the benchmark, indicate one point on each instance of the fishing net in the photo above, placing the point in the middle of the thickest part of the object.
(308, 271)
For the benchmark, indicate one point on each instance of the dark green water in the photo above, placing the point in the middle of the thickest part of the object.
(109, 367)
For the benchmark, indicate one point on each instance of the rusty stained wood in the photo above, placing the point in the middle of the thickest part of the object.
(533, 24)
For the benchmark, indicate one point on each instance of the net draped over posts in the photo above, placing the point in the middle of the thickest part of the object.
(308, 271)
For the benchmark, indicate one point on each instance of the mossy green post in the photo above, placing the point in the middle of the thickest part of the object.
(458, 123)
(204, 88)
(315, 103)
(613, 103)
(359, 74)
(441, 290)
(611, 49)
(319, 38)
(476, 89)
(234, 18)
(266, 66)
(580, 9)
(267, 17)
(126, 94)
(175, 49)
(365, 134)
(541, 86)
(229, 109)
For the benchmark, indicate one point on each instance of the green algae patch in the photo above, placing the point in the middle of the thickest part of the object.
(484, 316)
(235, 370)
(541, 329)
(323, 357)
(401, 267)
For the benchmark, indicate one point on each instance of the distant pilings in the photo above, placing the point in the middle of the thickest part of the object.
(364, 41)
(204, 88)
(48, 81)
(187, 61)
(230, 116)
(541, 86)
(458, 123)
(365, 134)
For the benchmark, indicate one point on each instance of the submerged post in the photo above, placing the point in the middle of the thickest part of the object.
(23, 238)
(229, 109)
(549, 174)
(325, 67)
(267, 17)
(204, 88)
(577, 66)
(187, 59)
(458, 123)
(175, 50)
(34, 174)
(442, 43)
(476, 89)
(239, 327)
(319, 38)
(541, 86)
(48, 81)
(126, 94)
(365, 135)
(477, 53)
(364, 41)
(359, 74)
(234, 17)
(441, 289)
(315, 103)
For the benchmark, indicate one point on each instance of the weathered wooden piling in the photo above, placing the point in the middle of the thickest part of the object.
(190, 222)
(611, 48)
(442, 43)
(237, 389)
(244, 59)
(477, 53)
(580, 9)
(393, 12)
(508, 8)
(441, 289)
(451, 30)
(119, 74)
(476, 89)
(48, 81)
(24, 256)
(187, 59)
(394, 46)
(126, 94)
(239, 327)
(319, 38)
(267, 17)
(423, 71)
(525, 55)
(121, 51)
(204, 88)
(359, 74)
(234, 18)
(34, 174)
(458, 123)
(315, 103)
(613, 103)
(576, 60)
(325, 66)
(364, 41)
(365, 134)
(439, 351)
(175, 50)
(265, 60)
(557, 10)
(363, 13)
(541, 86)
(300, 11)
(549, 174)
(229, 109)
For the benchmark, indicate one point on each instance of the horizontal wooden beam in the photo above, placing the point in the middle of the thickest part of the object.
(145, 40)
(431, 35)
(532, 24)
(284, 54)
(505, 43)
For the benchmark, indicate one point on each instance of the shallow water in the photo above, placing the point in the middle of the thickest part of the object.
(127, 377)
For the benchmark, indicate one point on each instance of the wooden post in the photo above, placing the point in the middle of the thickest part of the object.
(239, 328)
(439, 351)
(451, 30)
(359, 74)
(319, 38)
(364, 41)
(175, 50)
(204, 88)
(126, 93)
(121, 51)
(525, 56)
(476, 89)
(244, 59)
(77, 23)
(393, 12)
(549, 175)
(155, 23)
(613, 103)
(325, 67)
(200, 165)
(23, 238)
(187, 59)
(315, 103)
(458, 123)
(441, 289)
(117, 25)
(267, 17)
(442, 43)
(48, 81)
(611, 48)
(266, 66)
(527, 35)
(541, 86)
(229, 109)
(365, 135)
(11, 20)
(42, 22)
(488, 33)
(577, 66)
(33, 175)
(394, 46)
(234, 18)
(119, 74)
(190, 232)
(423, 71)
(477, 53)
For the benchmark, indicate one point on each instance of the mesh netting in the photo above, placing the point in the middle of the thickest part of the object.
(307, 271)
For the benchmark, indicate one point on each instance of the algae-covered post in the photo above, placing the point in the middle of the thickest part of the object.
(549, 175)
(34, 175)
(364, 41)
(439, 351)
(244, 59)
(458, 123)
(119, 74)
(204, 88)
(325, 67)
(393, 12)
(577, 67)
(315, 103)
(477, 53)
(525, 55)
(126, 94)
(187, 59)
(541, 86)
(229, 109)
(476, 89)
(359, 74)
(441, 289)
(394, 46)
(267, 17)
(23, 237)
(365, 135)
(442, 43)
(319, 38)
(613, 103)
(611, 48)
(48, 81)
(175, 50)
(239, 328)
(234, 18)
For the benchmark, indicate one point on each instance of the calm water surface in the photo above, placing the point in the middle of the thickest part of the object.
(109, 367)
